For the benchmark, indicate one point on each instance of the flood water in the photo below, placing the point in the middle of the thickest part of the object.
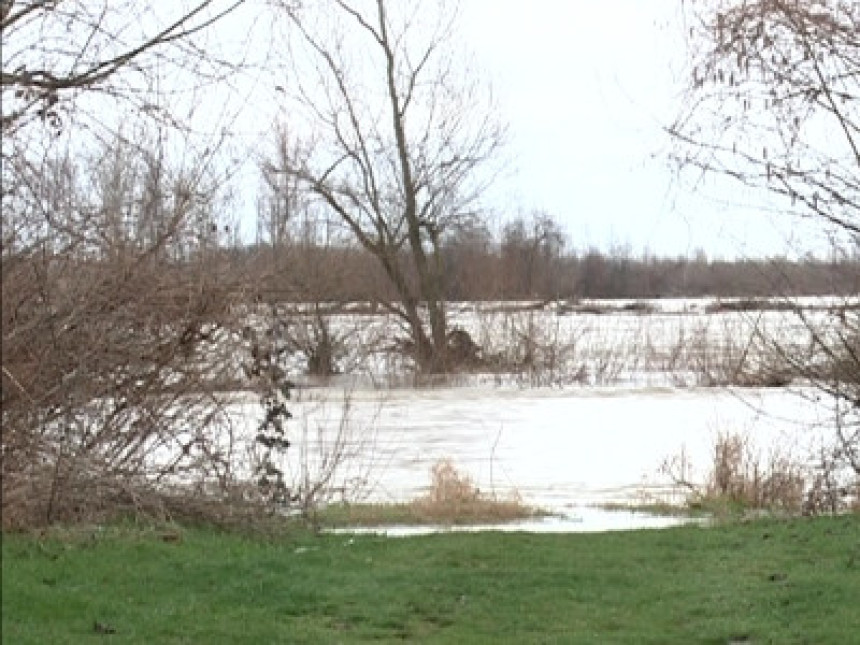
(565, 451)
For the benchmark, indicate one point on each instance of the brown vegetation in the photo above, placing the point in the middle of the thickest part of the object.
(453, 498)
(486, 272)
(117, 322)
(114, 355)
(741, 479)
(128, 307)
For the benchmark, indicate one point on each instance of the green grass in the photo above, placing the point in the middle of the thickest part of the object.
(769, 581)
(716, 507)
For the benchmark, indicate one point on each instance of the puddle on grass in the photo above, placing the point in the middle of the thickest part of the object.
(582, 520)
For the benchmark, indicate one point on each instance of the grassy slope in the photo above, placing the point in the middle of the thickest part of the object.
(771, 581)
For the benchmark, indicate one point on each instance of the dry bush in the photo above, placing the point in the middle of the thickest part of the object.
(103, 379)
(454, 499)
(450, 487)
(838, 375)
(737, 354)
(530, 345)
(332, 459)
(798, 60)
(822, 354)
(117, 323)
(118, 340)
(740, 478)
(310, 337)
(301, 465)
(321, 348)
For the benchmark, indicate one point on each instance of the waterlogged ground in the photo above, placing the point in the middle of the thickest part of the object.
(586, 405)
(605, 343)
(567, 451)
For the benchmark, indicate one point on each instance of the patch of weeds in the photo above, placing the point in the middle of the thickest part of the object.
(739, 476)
(741, 481)
(453, 499)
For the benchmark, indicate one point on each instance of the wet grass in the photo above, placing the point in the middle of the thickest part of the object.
(716, 508)
(769, 581)
(660, 509)
(420, 513)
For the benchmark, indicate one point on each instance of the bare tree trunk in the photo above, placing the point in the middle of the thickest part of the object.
(403, 168)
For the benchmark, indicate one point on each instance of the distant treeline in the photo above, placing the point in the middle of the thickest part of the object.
(531, 262)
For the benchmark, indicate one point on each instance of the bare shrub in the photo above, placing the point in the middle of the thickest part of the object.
(529, 345)
(333, 460)
(103, 379)
(771, 105)
(836, 372)
(117, 323)
(449, 486)
(326, 461)
(311, 336)
(116, 342)
(740, 478)
(463, 351)
(728, 350)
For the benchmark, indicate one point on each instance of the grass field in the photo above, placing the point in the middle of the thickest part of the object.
(768, 581)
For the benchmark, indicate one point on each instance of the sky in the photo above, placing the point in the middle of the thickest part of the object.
(586, 88)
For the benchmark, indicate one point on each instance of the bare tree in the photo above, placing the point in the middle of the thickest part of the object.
(279, 205)
(531, 250)
(774, 104)
(401, 145)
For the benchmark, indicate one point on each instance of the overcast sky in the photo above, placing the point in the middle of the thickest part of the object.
(587, 88)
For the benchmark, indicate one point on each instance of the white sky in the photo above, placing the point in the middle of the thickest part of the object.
(586, 88)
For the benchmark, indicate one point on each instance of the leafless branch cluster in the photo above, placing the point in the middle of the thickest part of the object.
(55, 51)
(117, 307)
(774, 102)
(116, 328)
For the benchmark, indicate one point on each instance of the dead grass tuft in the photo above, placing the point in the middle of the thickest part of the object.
(454, 498)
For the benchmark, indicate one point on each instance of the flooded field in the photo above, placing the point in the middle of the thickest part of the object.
(572, 406)
(566, 451)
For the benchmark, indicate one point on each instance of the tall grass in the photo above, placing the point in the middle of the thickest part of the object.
(454, 498)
